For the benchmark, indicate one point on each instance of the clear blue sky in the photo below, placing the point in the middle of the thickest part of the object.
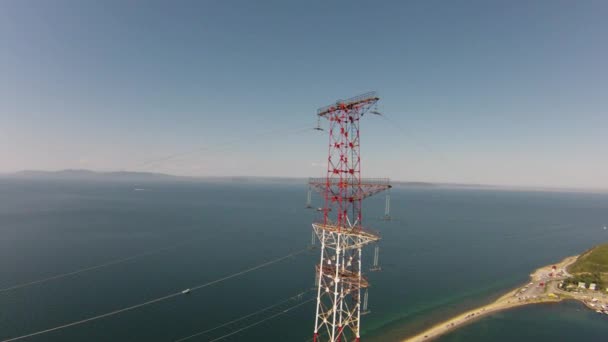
(494, 92)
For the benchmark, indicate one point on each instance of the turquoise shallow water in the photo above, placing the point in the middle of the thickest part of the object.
(568, 321)
(446, 250)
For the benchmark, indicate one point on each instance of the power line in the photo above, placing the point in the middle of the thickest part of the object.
(298, 296)
(262, 321)
(150, 162)
(136, 306)
(396, 125)
(91, 268)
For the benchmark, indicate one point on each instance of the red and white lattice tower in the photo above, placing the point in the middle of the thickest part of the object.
(342, 236)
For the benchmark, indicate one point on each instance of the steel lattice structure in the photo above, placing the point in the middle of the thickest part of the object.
(340, 232)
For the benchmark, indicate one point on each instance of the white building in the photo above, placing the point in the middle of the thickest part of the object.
(592, 286)
(581, 285)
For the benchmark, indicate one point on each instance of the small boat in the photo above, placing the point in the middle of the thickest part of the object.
(186, 291)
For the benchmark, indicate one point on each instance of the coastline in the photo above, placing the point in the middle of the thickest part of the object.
(509, 300)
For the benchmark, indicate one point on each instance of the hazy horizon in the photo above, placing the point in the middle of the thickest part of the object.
(262, 177)
(474, 92)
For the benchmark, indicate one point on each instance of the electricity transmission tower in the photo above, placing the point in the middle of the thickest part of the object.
(339, 277)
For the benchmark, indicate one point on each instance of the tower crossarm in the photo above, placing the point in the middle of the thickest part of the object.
(357, 101)
(352, 237)
(346, 277)
(366, 188)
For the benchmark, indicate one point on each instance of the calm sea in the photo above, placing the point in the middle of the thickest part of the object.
(444, 251)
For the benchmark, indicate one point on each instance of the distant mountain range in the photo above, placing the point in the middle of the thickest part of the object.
(132, 176)
(83, 174)
(92, 175)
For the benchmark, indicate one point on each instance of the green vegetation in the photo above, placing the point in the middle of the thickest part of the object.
(591, 267)
(593, 260)
(586, 278)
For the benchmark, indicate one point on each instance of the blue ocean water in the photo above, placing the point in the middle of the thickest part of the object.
(444, 251)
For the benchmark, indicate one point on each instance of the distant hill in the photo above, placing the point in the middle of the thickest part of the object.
(591, 267)
(592, 261)
(82, 174)
(77, 174)
(420, 184)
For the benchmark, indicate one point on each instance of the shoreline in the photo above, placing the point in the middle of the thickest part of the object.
(511, 299)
